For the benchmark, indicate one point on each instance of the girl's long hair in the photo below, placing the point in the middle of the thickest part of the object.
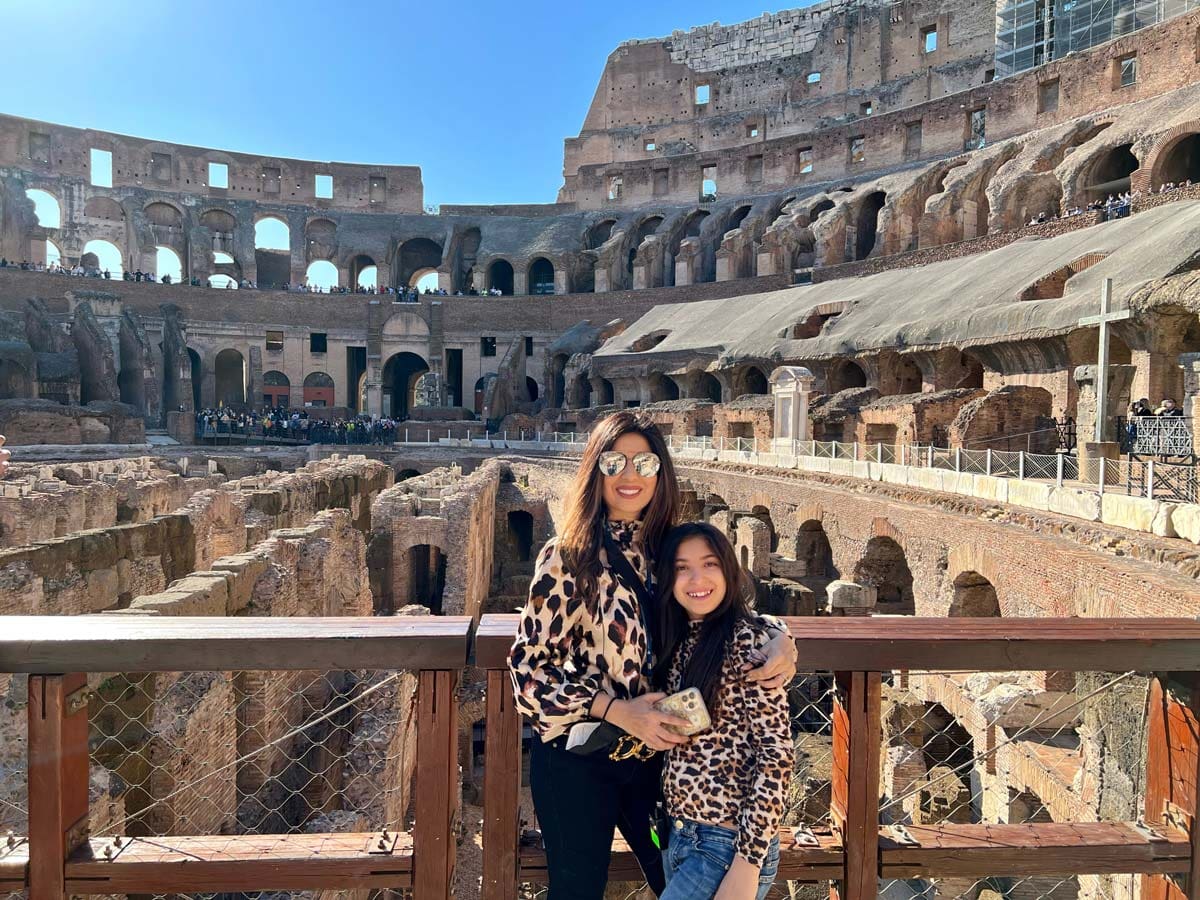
(703, 669)
(583, 530)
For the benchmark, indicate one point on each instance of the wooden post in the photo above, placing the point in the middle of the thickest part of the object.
(1173, 776)
(58, 779)
(437, 789)
(501, 789)
(854, 807)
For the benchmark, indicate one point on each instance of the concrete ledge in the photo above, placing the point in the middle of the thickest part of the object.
(1137, 513)
(890, 473)
(842, 467)
(1185, 519)
(959, 483)
(988, 487)
(930, 479)
(813, 463)
(1079, 504)
(1033, 494)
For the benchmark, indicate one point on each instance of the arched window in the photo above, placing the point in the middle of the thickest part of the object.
(272, 234)
(166, 262)
(322, 275)
(500, 276)
(53, 254)
(221, 258)
(541, 276)
(45, 207)
(318, 389)
(222, 281)
(368, 277)
(106, 255)
(426, 281)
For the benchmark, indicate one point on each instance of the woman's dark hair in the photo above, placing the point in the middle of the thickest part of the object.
(703, 670)
(583, 531)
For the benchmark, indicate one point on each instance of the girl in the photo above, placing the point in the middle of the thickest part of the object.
(725, 788)
(583, 656)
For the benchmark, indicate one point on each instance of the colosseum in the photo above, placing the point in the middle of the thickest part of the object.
(893, 279)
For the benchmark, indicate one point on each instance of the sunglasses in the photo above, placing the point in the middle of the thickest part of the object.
(612, 463)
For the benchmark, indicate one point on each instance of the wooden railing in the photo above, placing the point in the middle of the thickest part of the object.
(58, 858)
(857, 851)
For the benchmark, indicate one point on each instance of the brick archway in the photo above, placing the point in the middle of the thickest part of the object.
(1149, 174)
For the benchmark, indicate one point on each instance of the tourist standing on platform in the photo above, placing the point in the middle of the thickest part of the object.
(724, 789)
(583, 660)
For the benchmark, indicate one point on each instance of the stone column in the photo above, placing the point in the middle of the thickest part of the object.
(254, 379)
(520, 281)
(848, 598)
(686, 261)
(1089, 445)
(1190, 363)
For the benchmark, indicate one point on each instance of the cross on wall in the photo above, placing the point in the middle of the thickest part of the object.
(1103, 320)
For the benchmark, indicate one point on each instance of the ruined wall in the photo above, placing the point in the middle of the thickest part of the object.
(92, 571)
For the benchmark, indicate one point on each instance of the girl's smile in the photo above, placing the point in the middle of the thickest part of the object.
(699, 579)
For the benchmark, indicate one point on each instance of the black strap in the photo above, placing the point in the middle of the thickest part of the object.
(620, 564)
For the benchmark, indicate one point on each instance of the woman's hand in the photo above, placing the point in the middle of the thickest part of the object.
(639, 717)
(740, 882)
(780, 665)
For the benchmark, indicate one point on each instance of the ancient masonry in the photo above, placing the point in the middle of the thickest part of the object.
(844, 191)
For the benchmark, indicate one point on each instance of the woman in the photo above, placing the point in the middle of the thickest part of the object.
(583, 656)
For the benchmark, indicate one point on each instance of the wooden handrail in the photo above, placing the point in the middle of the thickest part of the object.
(43, 645)
(881, 644)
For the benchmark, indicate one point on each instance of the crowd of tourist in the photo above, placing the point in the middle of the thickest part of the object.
(295, 425)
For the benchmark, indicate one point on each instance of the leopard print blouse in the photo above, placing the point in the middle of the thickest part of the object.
(564, 655)
(737, 771)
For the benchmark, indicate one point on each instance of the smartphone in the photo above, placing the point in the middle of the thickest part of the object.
(687, 704)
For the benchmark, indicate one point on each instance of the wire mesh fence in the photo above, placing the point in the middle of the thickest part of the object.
(14, 800)
(278, 753)
(1012, 748)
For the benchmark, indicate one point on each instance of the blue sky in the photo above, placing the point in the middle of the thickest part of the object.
(479, 94)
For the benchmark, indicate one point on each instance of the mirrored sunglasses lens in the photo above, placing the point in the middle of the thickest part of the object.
(646, 464)
(611, 463)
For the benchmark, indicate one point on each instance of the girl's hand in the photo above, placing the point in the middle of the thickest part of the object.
(740, 882)
(780, 665)
(639, 717)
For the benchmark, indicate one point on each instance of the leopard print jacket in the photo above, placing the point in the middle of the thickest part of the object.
(737, 771)
(565, 654)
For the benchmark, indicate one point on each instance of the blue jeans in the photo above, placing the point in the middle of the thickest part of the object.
(698, 856)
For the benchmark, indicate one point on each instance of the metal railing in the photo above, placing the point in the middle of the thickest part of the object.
(1161, 436)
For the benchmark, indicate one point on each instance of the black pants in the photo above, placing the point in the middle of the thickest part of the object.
(579, 801)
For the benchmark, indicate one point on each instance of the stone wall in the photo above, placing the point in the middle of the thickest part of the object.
(102, 569)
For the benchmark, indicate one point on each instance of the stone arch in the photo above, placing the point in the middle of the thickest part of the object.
(318, 389)
(605, 393)
(540, 278)
(814, 550)
(579, 392)
(845, 374)
(500, 276)
(16, 381)
(321, 274)
(906, 375)
(364, 272)
(1176, 157)
(277, 389)
(821, 206)
(218, 220)
(104, 208)
(45, 207)
(165, 215)
(230, 371)
(465, 254)
(400, 375)
(974, 596)
(414, 258)
(866, 232)
(707, 387)
(660, 388)
(531, 385)
(103, 255)
(646, 227)
(1109, 171)
(750, 380)
(598, 233)
(320, 239)
(884, 566)
(763, 514)
(167, 262)
(272, 251)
